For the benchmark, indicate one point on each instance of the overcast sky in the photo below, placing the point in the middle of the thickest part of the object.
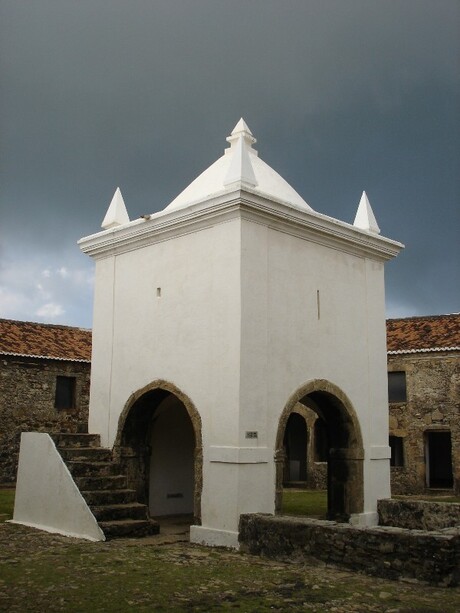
(342, 95)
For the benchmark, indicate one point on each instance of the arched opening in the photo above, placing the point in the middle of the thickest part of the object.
(341, 446)
(159, 446)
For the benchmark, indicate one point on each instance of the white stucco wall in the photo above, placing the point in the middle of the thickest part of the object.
(46, 495)
(139, 337)
(289, 340)
(227, 311)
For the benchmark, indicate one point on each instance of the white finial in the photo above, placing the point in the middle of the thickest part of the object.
(365, 218)
(241, 126)
(241, 130)
(240, 169)
(116, 215)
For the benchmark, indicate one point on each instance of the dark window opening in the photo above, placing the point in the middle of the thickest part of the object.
(397, 386)
(438, 451)
(321, 441)
(397, 451)
(65, 393)
(295, 445)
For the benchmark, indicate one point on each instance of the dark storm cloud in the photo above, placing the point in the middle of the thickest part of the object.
(342, 95)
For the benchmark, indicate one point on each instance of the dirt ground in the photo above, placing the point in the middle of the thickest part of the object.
(47, 572)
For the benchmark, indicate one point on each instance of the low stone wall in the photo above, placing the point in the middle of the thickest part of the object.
(394, 553)
(418, 514)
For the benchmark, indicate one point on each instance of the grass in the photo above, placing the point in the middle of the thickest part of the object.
(6, 504)
(429, 498)
(309, 503)
(313, 503)
(44, 572)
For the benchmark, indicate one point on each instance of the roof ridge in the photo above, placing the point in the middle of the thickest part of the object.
(413, 317)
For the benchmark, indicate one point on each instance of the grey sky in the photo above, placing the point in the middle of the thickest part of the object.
(342, 95)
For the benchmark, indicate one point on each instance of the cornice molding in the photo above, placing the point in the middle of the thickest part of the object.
(243, 204)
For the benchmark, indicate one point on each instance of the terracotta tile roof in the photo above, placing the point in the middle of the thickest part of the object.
(23, 338)
(424, 334)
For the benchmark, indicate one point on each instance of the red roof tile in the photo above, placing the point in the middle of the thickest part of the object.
(434, 332)
(44, 340)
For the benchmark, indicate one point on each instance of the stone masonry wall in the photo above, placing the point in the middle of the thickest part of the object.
(432, 404)
(27, 393)
(418, 514)
(394, 553)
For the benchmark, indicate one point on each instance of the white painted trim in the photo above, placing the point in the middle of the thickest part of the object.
(239, 455)
(213, 537)
(307, 225)
(427, 350)
(364, 519)
(380, 452)
(47, 497)
(43, 357)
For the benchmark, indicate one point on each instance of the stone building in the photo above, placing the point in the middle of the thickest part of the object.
(44, 383)
(424, 408)
(424, 396)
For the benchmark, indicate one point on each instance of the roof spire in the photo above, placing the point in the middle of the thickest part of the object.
(116, 215)
(365, 218)
(241, 130)
(240, 169)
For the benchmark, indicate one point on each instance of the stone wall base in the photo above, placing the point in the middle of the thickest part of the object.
(418, 514)
(395, 553)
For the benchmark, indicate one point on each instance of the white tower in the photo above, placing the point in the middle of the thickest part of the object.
(213, 318)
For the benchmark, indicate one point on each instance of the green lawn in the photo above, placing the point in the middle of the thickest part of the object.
(6, 504)
(313, 503)
(310, 503)
(47, 572)
(430, 498)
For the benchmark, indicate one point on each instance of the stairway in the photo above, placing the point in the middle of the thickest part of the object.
(103, 486)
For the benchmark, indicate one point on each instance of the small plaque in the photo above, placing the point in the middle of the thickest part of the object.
(251, 434)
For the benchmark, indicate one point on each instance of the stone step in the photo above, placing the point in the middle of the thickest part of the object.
(133, 528)
(92, 454)
(108, 497)
(114, 482)
(81, 439)
(103, 487)
(112, 512)
(92, 469)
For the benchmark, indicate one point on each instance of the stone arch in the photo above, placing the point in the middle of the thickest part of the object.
(131, 446)
(346, 453)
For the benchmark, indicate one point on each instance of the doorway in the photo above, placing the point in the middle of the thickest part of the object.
(438, 460)
(159, 447)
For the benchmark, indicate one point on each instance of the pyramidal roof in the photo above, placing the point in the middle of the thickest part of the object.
(239, 168)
